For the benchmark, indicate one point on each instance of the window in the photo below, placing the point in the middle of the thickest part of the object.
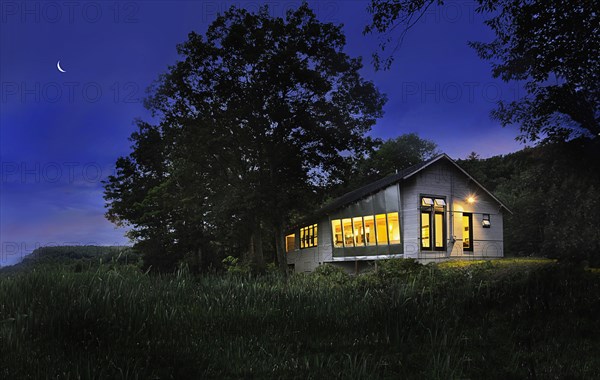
(393, 227)
(290, 242)
(467, 232)
(425, 230)
(433, 224)
(336, 228)
(439, 231)
(348, 235)
(486, 223)
(308, 236)
(381, 229)
(359, 233)
(369, 230)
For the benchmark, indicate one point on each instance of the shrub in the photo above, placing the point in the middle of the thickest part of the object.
(331, 273)
(233, 265)
(397, 268)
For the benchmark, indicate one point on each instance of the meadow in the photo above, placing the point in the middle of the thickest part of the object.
(104, 318)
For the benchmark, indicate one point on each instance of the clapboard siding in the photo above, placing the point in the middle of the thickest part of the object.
(443, 179)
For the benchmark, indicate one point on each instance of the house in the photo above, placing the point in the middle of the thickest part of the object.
(431, 211)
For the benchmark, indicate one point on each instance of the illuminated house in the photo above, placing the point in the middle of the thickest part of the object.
(431, 211)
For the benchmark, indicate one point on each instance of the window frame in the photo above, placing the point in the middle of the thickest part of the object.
(293, 247)
(374, 231)
(432, 210)
(469, 216)
(309, 236)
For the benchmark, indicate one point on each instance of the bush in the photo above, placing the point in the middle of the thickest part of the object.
(331, 273)
(397, 268)
(233, 265)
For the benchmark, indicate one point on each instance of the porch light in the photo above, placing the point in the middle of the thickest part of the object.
(486, 221)
(471, 199)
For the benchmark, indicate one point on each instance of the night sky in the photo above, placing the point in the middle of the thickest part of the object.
(60, 133)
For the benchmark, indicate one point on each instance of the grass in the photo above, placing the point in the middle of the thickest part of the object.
(502, 319)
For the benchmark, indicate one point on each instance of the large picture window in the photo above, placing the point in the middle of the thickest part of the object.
(381, 229)
(369, 230)
(336, 230)
(433, 224)
(393, 227)
(359, 234)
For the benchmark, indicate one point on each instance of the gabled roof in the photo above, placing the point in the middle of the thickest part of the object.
(373, 187)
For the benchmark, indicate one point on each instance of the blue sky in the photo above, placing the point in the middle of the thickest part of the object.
(60, 133)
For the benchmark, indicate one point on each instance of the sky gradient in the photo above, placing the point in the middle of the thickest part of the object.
(60, 133)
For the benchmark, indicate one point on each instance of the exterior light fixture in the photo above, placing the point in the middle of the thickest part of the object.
(486, 223)
(471, 199)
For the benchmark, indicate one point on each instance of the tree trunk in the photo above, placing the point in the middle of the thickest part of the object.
(280, 248)
(256, 256)
(199, 259)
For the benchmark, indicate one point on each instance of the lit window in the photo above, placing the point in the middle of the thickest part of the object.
(308, 236)
(290, 242)
(381, 229)
(366, 230)
(427, 202)
(467, 232)
(425, 230)
(433, 224)
(336, 227)
(439, 230)
(486, 223)
(348, 235)
(359, 233)
(393, 227)
(369, 230)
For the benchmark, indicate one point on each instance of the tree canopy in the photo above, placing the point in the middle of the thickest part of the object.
(553, 46)
(390, 156)
(259, 115)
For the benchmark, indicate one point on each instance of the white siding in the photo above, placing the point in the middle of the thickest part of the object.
(307, 259)
(445, 180)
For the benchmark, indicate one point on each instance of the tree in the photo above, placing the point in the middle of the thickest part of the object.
(385, 158)
(257, 118)
(552, 191)
(394, 155)
(553, 46)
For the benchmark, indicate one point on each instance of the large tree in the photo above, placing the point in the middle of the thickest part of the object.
(553, 46)
(258, 116)
(388, 157)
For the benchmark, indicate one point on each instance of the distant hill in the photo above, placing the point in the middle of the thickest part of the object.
(65, 255)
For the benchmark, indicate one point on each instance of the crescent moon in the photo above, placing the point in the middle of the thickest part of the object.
(60, 68)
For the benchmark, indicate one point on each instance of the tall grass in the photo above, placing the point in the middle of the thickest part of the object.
(114, 322)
